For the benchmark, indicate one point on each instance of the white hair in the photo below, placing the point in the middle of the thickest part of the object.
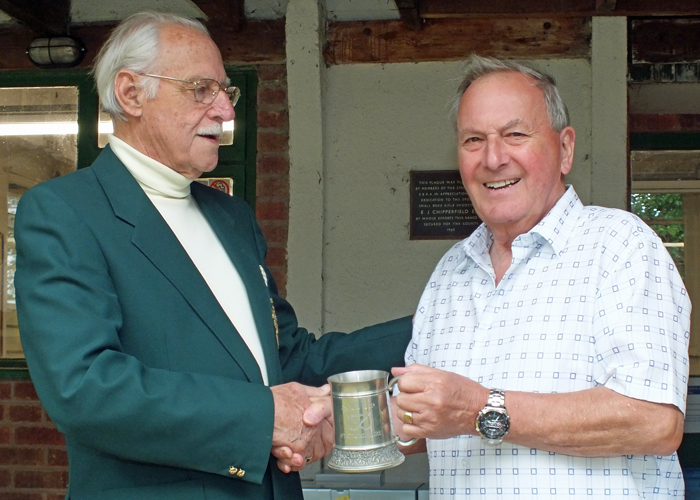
(478, 66)
(134, 45)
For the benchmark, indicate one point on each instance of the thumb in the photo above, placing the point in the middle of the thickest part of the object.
(317, 412)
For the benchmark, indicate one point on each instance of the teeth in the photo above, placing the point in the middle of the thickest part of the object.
(500, 184)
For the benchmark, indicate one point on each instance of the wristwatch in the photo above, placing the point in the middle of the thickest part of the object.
(493, 422)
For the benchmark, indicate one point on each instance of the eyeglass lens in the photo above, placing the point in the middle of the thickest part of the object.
(206, 90)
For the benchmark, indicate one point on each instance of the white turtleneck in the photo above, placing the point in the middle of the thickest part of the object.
(170, 193)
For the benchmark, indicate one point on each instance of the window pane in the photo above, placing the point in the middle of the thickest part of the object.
(664, 214)
(38, 127)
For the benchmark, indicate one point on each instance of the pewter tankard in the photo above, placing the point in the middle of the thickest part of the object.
(364, 434)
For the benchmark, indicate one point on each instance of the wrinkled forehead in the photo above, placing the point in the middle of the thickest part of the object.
(190, 52)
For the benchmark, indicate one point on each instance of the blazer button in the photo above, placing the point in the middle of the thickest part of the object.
(240, 473)
(233, 470)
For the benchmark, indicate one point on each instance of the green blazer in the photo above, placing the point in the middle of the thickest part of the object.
(133, 358)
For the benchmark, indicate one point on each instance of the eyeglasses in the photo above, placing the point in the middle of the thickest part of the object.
(206, 90)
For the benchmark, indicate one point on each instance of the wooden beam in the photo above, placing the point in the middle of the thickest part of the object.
(229, 13)
(665, 40)
(605, 6)
(43, 17)
(410, 14)
(431, 9)
(258, 42)
(455, 39)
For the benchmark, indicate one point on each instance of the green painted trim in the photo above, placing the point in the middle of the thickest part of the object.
(15, 369)
(662, 141)
(239, 160)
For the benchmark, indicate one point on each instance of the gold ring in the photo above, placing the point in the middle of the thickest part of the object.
(408, 417)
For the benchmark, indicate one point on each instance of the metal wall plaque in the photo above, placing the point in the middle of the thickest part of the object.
(440, 207)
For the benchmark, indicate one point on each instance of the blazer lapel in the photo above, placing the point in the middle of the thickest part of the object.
(158, 243)
(251, 270)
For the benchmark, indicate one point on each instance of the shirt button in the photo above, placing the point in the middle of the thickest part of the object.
(233, 470)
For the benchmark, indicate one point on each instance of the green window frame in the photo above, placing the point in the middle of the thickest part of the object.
(237, 161)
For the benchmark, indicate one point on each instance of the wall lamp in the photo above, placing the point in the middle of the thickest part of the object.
(55, 52)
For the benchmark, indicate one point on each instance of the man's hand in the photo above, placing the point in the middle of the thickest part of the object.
(303, 425)
(441, 404)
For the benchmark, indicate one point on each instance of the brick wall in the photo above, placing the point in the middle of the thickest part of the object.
(272, 178)
(33, 462)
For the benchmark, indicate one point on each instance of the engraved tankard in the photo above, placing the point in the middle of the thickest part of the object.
(364, 434)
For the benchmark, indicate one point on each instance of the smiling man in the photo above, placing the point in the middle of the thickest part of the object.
(153, 331)
(550, 348)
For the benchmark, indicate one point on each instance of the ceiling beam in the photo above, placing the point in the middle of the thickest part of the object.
(559, 8)
(258, 42)
(454, 39)
(605, 6)
(228, 13)
(43, 17)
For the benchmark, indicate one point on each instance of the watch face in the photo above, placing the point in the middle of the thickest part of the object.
(493, 424)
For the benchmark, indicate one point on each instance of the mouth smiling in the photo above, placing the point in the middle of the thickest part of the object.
(501, 184)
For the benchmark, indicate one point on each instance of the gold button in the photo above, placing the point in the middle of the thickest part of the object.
(232, 470)
(240, 473)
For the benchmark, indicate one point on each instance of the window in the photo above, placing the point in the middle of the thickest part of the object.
(666, 195)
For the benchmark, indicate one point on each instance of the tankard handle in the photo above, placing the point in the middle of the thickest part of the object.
(392, 383)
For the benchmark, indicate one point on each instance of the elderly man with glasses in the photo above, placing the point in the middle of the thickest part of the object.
(153, 331)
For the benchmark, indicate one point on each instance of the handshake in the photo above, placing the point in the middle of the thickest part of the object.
(303, 431)
(304, 426)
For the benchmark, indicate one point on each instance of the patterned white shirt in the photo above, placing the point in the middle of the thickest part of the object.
(591, 298)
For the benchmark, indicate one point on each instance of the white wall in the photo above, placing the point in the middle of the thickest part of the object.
(381, 122)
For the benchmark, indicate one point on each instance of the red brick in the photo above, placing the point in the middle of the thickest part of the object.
(689, 123)
(39, 435)
(5, 478)
(269, 96)
(25, 413)
(21, 496)
(274, 188)
(274, 164)
(5, 391)
(276, 256)
(272, 119)
(25, 391)
(280, 278)
(55, 497)
(270, 142)
(271, 72)
(274, 232)
(41, 479)
(271, 210)
(5, 435)
(58, 457)
(21, 456)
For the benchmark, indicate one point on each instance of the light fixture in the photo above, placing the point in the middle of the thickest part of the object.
(55, 52)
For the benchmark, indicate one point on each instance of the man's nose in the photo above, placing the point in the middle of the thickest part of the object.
(223, 108)
(495, 154)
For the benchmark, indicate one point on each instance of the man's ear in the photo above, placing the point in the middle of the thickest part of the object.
(128, 95)
(567, 141)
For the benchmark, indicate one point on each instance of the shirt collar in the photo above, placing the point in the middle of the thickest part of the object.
(153, 176)
(554, 229)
